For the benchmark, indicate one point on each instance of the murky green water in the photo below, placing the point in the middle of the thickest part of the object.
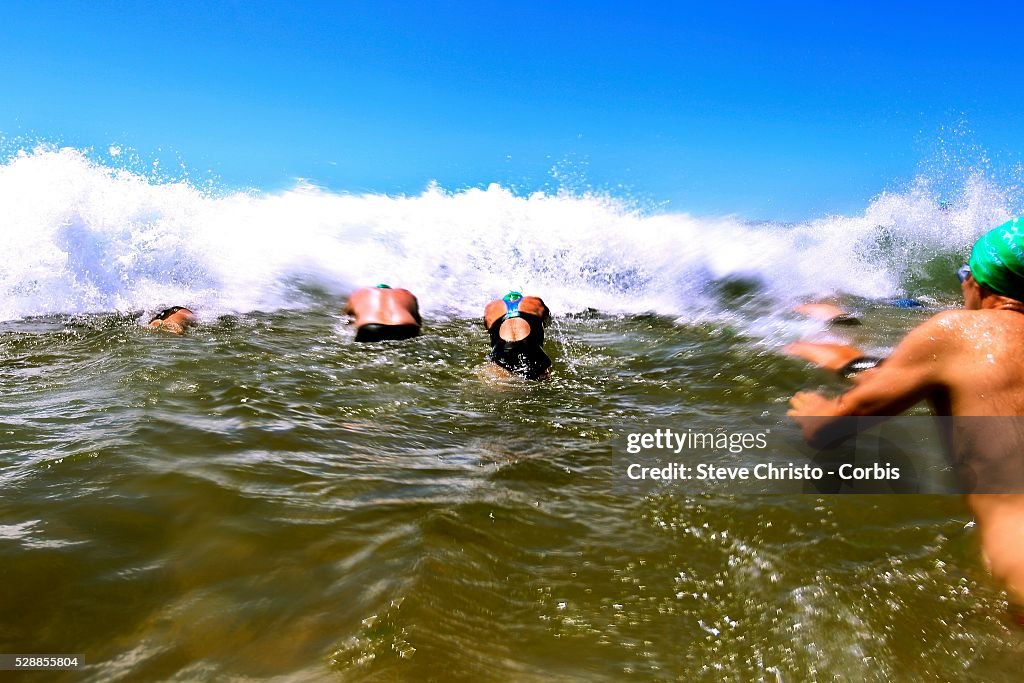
(265, 499)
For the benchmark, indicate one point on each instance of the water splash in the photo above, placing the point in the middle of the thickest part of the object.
(85, 235)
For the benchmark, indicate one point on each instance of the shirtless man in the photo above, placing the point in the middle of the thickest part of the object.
(516, 326)
(384, 313)
(175, 320)
(966, 363)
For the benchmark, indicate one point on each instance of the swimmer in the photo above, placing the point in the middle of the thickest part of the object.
(964, 363)
(516, 326)
(905, 303)
(175, 320)
(382, 313)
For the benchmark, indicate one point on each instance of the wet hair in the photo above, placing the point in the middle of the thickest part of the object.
(167, 313)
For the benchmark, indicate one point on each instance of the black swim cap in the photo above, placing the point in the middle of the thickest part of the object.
(167, 313)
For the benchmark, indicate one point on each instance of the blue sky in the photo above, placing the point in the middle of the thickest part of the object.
(779, 111)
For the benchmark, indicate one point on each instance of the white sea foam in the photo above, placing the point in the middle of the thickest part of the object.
(79, 236)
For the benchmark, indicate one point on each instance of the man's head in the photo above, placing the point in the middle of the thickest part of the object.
(997, 260)
(175, 319)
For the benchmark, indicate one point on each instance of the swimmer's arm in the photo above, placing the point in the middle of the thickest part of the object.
(909, 376)
(832, 357)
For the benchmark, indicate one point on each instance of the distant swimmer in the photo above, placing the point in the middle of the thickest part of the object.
(175, 320)
(835, 316)
(905, 303)
(967, 364)
(516, 326)
(382, 313)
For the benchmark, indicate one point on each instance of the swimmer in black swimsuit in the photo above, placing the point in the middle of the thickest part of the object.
(373, 332)
(382, 313)
(516, 327)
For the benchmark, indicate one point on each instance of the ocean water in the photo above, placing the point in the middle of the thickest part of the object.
(263, 499)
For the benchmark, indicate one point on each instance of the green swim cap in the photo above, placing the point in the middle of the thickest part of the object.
(383, 286)
(997, 260)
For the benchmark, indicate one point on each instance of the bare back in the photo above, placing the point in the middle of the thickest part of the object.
(516, 329)
(984, 371)
(372, 305)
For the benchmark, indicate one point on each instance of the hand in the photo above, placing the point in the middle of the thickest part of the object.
(809, 404)
(810, 410)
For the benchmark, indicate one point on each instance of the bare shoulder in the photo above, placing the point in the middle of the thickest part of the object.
(493, 311)
(534, 305)
(360, 294)
(941, 328)
(951, 319)
(944, 343)
(404, 295)
(950, 327)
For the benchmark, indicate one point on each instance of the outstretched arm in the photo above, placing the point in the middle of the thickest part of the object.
(910, 375)
(832, 357)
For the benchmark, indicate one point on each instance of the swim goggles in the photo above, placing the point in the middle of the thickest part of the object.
(963, 272)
